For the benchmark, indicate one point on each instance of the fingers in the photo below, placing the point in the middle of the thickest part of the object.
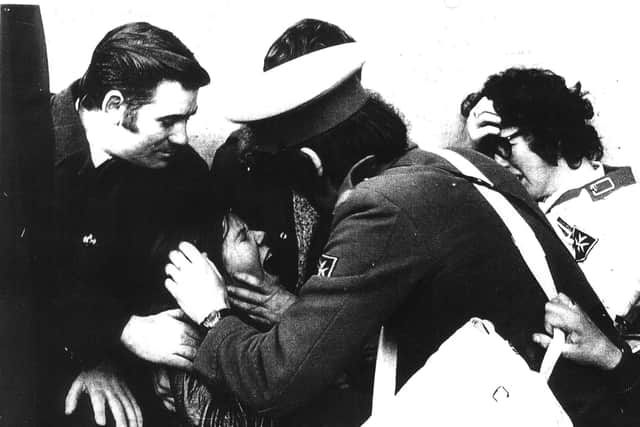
(190, 251)
(484, 130)
(186, 352)
(169, 402)
(248, 295)
(71, 400)
(542, 340)
(179, 259)
(172, 287)
(116, 407)
(560, 315)
(136, 414)
(127, 403)
(172, 271)
(180, 362)
(247, 279)
(488, 119)
(97, 403)
(162, 388)
(241, 305)
(485, 108)
(191, 336)
(564, 299)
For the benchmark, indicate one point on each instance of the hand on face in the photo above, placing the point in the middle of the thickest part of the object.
(585, 342)
(264, 301)
(482, 121)
(195, 283)
(199, 288)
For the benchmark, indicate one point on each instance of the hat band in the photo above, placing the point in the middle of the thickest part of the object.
(314, 118)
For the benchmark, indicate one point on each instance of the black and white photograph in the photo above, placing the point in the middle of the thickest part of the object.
(244, 213)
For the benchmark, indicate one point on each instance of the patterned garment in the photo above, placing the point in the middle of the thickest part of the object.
(305, 218)
(197, 406)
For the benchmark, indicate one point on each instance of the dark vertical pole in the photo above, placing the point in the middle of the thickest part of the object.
(26, 174)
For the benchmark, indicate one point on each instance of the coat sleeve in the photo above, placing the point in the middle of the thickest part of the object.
(368, 266)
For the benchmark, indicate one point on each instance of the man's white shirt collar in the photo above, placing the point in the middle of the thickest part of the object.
(586, 173)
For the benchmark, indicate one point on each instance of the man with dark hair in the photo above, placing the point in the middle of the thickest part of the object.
(531, 123)
(412, 245)
(123, 172)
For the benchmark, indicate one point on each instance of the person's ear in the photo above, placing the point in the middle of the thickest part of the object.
(113, 104)
(315, 159)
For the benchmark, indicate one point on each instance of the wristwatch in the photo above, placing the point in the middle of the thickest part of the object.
(213, 317)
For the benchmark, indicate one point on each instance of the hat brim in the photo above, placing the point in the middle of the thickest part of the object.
(293, 84)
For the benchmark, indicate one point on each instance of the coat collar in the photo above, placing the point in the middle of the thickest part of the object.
(71, 143)
(503, 182)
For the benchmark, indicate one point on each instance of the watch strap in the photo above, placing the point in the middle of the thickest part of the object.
(214, 317)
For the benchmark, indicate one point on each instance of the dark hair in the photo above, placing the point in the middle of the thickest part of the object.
(303, 37)
(538, 102)
(205, 231)
(134, 58)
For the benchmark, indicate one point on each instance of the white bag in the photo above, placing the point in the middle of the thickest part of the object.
(475, 378)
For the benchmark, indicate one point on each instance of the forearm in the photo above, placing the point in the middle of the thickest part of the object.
(279, 370)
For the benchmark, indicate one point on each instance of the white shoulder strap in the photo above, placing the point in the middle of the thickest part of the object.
(531, 252)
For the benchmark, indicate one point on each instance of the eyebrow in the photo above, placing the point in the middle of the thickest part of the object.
(177, 117)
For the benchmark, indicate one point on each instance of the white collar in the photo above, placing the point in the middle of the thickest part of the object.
(587, 172)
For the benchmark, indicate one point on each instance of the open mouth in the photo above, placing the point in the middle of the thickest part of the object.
(270, 263)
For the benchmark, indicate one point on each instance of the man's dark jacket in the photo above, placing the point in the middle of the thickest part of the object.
(106, 220)
(415, 246)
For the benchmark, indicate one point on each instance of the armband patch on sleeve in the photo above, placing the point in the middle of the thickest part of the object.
(582, 242)
(326, 265)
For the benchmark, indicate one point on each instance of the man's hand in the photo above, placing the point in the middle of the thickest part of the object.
(585, 342)
(162, 387)
(195, 283)
(264, 302)
(482, 121)
(104, 384)
(166, 338)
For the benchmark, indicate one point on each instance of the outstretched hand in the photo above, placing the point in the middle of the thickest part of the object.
(482, 121)
(167, 338)
(195, 282)
(105, 388)
(585, 342)
(263, 301)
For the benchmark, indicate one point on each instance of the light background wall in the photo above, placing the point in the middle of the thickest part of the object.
(426, 55)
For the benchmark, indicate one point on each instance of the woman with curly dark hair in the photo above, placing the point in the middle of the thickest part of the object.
(540, 129)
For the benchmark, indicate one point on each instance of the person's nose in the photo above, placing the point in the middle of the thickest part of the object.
(179, 133)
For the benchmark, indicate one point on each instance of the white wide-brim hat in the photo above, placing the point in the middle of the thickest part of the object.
(303, 97)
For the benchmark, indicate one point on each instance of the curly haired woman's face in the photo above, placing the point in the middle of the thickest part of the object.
(244, 250)
(536, 175)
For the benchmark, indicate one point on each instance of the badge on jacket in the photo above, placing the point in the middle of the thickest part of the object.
(581, 242)
(326, 265)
